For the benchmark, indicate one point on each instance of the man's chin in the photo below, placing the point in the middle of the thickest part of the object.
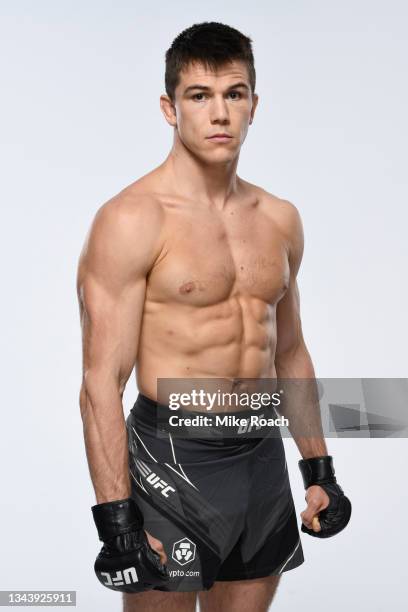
(219, 157)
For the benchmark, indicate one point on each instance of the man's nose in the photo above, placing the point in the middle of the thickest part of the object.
(219, 110)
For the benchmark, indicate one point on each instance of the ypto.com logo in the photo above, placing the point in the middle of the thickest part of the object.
(184, 551)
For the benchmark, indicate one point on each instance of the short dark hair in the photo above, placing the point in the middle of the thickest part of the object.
(210, 43)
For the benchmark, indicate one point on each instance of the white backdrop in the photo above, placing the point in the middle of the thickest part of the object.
(80, 119)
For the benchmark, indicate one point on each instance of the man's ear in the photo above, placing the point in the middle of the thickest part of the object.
(255, 100)
(169, 110)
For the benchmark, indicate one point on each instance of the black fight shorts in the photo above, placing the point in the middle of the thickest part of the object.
(222, 508)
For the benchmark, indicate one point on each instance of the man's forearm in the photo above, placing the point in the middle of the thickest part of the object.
(105, 438)
(300, 402)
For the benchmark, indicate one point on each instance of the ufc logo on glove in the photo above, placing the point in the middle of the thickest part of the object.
(127, 576)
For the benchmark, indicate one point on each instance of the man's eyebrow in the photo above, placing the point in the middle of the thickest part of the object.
(241, 85)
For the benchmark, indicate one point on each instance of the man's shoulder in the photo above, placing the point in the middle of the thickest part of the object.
(125, 229)
(134, 204)
(287, 217)
(280, 209)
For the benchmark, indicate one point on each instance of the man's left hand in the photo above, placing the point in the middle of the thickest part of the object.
(317, 500)
(328, 509)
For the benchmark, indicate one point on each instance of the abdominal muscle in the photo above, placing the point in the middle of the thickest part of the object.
(223, 343)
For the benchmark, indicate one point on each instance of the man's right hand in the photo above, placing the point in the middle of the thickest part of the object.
(126, 562)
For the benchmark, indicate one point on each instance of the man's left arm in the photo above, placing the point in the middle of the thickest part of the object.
(292, 359)
(294, 369)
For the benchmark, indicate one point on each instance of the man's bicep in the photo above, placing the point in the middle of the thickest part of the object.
(288, 322)
(110, 328)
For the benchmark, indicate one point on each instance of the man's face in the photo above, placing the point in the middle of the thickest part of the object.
(209, 103)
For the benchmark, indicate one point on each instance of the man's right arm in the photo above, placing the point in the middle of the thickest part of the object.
(119, 251)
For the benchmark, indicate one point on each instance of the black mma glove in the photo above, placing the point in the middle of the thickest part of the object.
(126, 563)
(334, 518)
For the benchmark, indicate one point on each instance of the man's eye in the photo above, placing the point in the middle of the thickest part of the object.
(235, 93)
(198, 94)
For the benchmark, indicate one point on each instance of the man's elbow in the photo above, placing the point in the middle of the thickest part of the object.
(287, 352)
(295, 358)
(97, 385)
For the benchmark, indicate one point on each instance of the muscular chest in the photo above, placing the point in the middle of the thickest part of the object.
(209, 259)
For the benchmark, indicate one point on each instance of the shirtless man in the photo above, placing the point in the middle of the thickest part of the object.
(190, 272)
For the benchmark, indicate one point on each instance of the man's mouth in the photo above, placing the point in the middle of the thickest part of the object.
(220, 137)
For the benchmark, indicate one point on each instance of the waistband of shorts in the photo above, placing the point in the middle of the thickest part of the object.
(154, 409)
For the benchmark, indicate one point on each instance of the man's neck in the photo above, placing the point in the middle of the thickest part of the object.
(212, 183)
